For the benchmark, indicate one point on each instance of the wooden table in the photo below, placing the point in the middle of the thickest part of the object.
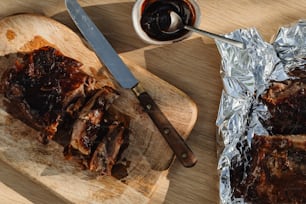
(191, 65)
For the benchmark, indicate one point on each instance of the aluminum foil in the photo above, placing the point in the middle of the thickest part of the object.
(246, 74)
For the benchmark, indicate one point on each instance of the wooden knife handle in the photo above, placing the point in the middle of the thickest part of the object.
(175, 141)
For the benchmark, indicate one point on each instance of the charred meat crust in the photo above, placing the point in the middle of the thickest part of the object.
(106, 146)
(44, 83)
(273, 168)
(285, 101)
(87, 125)
(53, 95)
(275, 171)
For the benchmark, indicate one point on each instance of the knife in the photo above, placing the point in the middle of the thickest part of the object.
(126, 79)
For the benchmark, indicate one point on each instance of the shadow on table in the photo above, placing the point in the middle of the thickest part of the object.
(114, 21)
(25, 187)
(194, 67)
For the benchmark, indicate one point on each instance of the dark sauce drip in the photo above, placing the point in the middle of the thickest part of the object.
(155, 18)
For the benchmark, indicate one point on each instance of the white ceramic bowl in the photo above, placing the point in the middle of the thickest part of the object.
(136, 18)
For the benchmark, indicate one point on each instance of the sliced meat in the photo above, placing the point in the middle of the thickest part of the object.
(43, 83)
(49, 91)
(105, 155)
(87, 126)
(101, 148)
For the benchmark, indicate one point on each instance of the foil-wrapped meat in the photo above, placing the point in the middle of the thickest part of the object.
(261, 118)
(275, 170)
(286, 101)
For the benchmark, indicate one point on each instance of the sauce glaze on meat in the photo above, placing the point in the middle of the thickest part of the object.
(53, 95)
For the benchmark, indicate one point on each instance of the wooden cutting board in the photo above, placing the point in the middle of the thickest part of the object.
(148, 155)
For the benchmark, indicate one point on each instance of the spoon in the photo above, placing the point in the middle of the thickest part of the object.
(176, 24)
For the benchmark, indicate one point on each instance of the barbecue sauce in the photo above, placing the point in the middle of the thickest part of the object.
(272, 171)
(155, 18)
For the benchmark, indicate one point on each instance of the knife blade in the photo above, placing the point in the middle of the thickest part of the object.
(126, 79)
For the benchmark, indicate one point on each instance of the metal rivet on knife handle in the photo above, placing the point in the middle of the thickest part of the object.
(175, 141)
(184, 155)
(148, 106)
(166, 131)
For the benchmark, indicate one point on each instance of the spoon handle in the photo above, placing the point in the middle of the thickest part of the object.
(215, 36)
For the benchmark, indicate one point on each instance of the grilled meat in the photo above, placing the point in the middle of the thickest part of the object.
(50, 92)
(42, 84)
(275, 171)
(285, 101)
(87, 125)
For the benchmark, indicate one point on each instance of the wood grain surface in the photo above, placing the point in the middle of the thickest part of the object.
(148, 154)
(191, 65)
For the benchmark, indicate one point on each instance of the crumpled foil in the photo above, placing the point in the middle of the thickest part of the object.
(246, 74)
